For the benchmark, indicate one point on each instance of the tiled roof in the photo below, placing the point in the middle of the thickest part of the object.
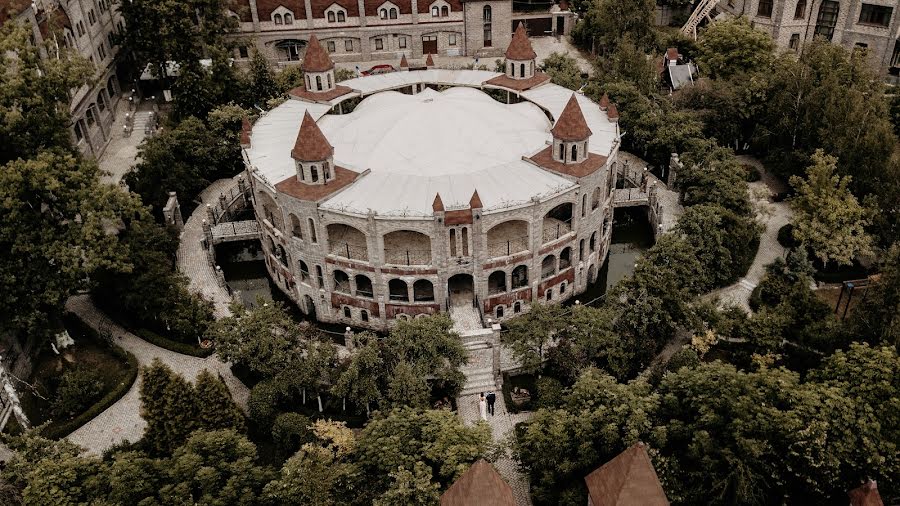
(481, 484)
(311, 145)
(405, 6)
(316, 58)
(319, 6)
(403, 63)
(866, 495)
(475, 201)
(612, 113)
(316, 192)
(505, 81)
(319, 96)
(424, 6)
(429, 61)
(571, 125)
(544, 159)
(627, 480)
(438, 204)
(520, 47)
(604, 101)
(672, 53)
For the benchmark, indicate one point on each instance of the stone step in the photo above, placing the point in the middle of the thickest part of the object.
(480, 375)
(477, 389)
(477, 345)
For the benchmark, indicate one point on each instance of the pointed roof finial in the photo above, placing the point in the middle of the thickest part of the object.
(438, 204)
(604, 101)
(316, 58)
(311, 145)
(429, 62)
(475, 201)
(520, 47)
(403, 63)
(571, 125)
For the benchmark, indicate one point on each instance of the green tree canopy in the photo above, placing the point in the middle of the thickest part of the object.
(733, 46)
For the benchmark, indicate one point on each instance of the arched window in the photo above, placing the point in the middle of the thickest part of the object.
(517, 307)
(465, 241)
(312, 230)
(499, 312)
(341, 18)
(314, 174)
(319, 277)
(364, 315)
(574, 152)
(319, 83)
(445, 11)
(423, 291)
(581, 250)
(562, 152)
(583, 204)
(565, 258)
(308, 83)
(304, 272)
(488, 36)
(282, 256)
(347, 313)
(331, 17)
(326, 169)
(296, 229)
(520, 277)
(382, 13)
(595, 199)
(434, 12)
(548, 266)
(111, 86)
(497, 282)
(101, 102)
(364, 286)
(329, 85)
(549, 294)
(487, 13)
(512, 69)
(341, 282)
(562, 288)
(397, 290)
(521, 70)
(277, 19)
(593, 244)
(393, 13)
(453, 242)
(288, 19)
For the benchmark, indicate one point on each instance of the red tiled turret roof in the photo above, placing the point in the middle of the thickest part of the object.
(571, 125)
(316, 59)
(627, 480)
(403, 63)
(604, 101)
(429, 62)
(311, 145)
(475, 201)
(612, 113)
(480, 484)
(866, 495)
(438, 204)
(520, 47)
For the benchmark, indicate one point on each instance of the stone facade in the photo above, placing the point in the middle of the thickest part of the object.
(793, 23)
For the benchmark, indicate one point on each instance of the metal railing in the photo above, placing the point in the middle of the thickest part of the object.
(407, 256)
(554, 229)
(508, 247)
(349, 251)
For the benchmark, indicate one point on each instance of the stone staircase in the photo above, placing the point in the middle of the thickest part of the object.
(141, 118)
(465, 319)
(479, 371)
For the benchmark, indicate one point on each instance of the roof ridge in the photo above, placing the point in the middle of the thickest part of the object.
(316, 58)
(520, 47)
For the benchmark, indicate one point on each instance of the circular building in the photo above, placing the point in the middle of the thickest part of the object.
(432, 195)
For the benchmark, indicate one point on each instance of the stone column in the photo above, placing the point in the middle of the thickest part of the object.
(309, 13)
(674, 166)
(254, 14)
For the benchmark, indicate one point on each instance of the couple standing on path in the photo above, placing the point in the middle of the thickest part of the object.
(486, 404)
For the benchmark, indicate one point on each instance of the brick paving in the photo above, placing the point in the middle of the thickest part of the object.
(121, 153)
(122, 420)
(773, 215)
(192, 258)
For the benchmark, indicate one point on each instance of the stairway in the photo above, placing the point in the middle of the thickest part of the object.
(704, 8)
(465, 318)
(479, 371)
(141, 118)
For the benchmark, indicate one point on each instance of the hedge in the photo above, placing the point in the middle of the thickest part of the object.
(60, 430)
(164, 342)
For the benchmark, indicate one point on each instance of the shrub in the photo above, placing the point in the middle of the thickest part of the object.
(262, 406)
(549, 392)
(752, 173)
(685, 357)
(163, 342)
(786, 236)
(290, 431)
(78, 388)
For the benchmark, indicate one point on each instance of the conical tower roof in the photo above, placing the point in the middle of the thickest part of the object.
(571, 125)
(311, 145)
(475, 201)
(429, 62)
(316, 59)
(403, 63)
(438, 204)
(520, 47)
(628, 479)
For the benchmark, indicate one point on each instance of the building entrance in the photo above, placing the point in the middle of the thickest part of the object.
(461, 290)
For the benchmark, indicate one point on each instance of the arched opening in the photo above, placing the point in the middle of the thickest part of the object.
(583, 205)
(497, 282)
(382, 14)
(405, 247)
(522, 69)
(319, 83)
(445, 11)
(520, 277)
(548, 266)
(562, 288)
(499, 312)
(558, 222)
(282, 256)
(364, 286)
(312, 230)
(364, 315)
(574, 152)
(565, 258)
(465, 241)
(593, 244)
(309, 306)
(341, 18)
(507, 238)
(581, 250)
(549, 295)
(331, 17)
(111, 86)
(304, 272)
(288, 19)
(347, 313)
(278, 19)
(319, 277)
(397, 290)
(314, 174)
(592, 274)
(393, 13)
(423, 291)
(562, 152)
(270, 210)
(296, 228)
(595, 199)
(453, 242)
(517, 307)
(346, 241)
(461, 289)
(341, 282)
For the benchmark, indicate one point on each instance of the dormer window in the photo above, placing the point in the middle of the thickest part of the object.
(288, 19)
(393, 13)
(445, 11)
(278, 19)
(331, 17)
(341, 17)
(382, 13)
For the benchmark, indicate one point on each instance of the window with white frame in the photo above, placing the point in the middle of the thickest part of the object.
(382, 13)
(348, 45)
(401, 42)
(379, 44)
(435, 11)
(451, 39)
(331, 46)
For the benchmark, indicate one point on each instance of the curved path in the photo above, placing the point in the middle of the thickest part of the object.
(772, 215)
(122, 421)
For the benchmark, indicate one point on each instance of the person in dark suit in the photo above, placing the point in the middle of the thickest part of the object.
(491, 399)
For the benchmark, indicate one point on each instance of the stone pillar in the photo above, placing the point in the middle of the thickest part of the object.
(210, 214)
(207, 234)
(172, 212)
(349, 339)
(254, 15)
(495, 354)
(674, 166)
(220, 277)
(242, 187)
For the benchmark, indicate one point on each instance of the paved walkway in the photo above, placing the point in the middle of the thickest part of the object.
(121, 153)
(503, 426)
(669, 199)
(773, 215)
(122, 420)
(192, 260)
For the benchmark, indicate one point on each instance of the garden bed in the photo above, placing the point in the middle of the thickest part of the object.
(151, 336)
(95, 374)
(511, 382)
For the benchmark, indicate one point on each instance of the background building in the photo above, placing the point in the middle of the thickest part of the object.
(873, 25)
(361, 30)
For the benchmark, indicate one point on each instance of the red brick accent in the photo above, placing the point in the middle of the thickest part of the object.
(392, 310)
(319, 96)
(591, 164)
(409, 271)
(504, 81)
(555, 245)
(459, 217)
(314, 192)
(506, 299)
(339, 300)
(517, 258)
(350, 265)
(566, 275)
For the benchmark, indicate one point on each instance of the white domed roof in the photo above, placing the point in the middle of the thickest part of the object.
(458, 131)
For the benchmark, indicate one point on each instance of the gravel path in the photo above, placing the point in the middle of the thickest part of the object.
(122, 420)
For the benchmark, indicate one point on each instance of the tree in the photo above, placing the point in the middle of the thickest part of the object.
(361, 381)
(878, 322)
(725, 242)
(627, 63)
(733, 46)
(529, 335)
(78, 388)
(411, 487)
(607, 21)
(407, 387)
(431, 348)
(34, 94)
(563, 70)
(261, 85)
(60, 226)
(291, 431)
(215, 407)
(828, 218)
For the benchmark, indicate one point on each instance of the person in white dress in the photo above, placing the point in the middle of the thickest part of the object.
(482, 406)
